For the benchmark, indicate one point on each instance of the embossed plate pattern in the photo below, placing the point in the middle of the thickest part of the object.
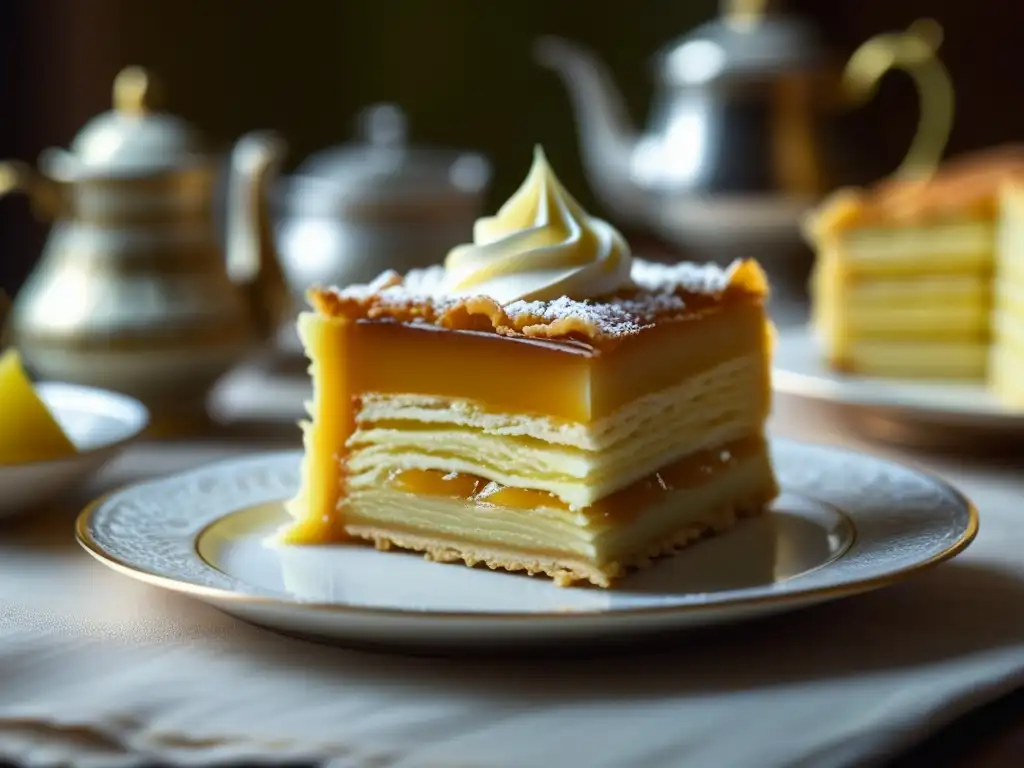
(845, 523)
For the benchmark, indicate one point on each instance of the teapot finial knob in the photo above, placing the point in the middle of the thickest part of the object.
(133, 91)
(743, 12)
(383, 125)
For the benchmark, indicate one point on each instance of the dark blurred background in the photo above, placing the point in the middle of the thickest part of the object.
(460, 68)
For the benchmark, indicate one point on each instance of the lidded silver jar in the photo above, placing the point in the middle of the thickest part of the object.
(350, 212)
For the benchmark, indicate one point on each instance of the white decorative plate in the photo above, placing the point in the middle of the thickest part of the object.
(845, 523)
(99, 423)
(799, 369)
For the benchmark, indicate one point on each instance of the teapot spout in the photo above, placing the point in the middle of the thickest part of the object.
(43, 193)
(251, 253)
(607, 137)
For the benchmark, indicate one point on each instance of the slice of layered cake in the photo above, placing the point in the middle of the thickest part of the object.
(904, 279)
(543, 402)
(1006, 360)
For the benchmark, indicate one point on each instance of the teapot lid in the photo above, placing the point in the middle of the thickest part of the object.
(382, 167)
(133, 137)
(744, 43)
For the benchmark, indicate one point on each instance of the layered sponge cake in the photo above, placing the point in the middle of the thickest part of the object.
(543, 402)
(1006, 359)
(910, 276)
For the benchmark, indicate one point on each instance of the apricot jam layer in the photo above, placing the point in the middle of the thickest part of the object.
(687, 473)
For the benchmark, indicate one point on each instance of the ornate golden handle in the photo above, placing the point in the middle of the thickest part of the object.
(913, 51)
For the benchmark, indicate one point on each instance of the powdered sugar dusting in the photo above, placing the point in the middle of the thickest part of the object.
(612, 318)
(685, 276)
(426, 282)
(656, 290)
(390, 289)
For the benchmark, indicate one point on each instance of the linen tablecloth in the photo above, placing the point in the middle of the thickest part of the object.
(96, 669)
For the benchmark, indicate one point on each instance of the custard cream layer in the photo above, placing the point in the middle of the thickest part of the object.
(577, 462)
(957, 306)
(376, 510)
(916, 359)
(953, 247)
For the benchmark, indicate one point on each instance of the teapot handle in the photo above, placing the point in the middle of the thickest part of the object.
(914, 52)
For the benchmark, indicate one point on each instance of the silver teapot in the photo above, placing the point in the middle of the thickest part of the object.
(734, 154)
(133, 291)
(350, 212)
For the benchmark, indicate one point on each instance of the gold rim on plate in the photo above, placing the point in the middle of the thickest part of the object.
(83, 537)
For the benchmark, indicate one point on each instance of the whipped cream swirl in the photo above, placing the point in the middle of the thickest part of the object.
(541, 245)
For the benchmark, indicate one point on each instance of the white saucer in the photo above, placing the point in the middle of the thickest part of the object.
(99, 423)
(799, 369)
(846, 523)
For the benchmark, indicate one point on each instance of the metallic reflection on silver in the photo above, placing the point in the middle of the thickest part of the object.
(351, 212)
(133, 291)
(739, 142)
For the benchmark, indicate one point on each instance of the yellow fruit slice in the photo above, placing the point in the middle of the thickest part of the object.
(28, 431)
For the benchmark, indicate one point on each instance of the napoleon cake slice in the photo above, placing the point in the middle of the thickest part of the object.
(543, 402)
